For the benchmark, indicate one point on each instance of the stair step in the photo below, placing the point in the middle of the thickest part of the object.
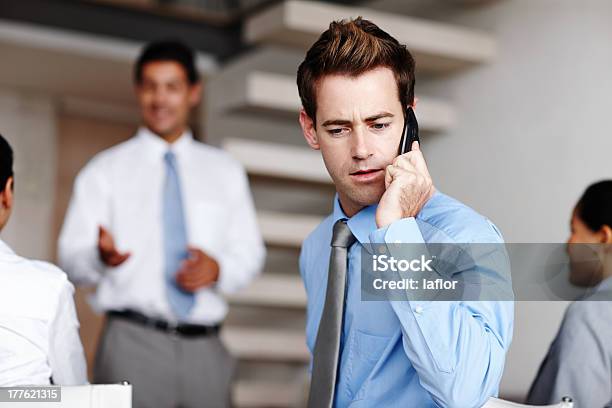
(266, 394)
(278, 345)
(99, 66)
(278, 160)
(273, 290)
(273, 93)
(286, 230)
(437, 47)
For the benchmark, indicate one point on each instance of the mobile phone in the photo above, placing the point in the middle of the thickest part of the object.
(410, 132)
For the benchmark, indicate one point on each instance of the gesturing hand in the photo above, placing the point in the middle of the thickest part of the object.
(109, 254)
(408, 185)
(197, 271)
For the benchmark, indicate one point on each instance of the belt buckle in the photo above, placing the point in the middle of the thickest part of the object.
(173, 329)
(150, 323)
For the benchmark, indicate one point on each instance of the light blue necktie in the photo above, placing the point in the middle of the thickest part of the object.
(174, 238)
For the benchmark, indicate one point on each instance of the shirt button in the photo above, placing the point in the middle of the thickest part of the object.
(418, 310)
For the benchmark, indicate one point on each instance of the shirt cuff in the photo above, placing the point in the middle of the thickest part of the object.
(403, 231)
(98, 267)
(224, 284)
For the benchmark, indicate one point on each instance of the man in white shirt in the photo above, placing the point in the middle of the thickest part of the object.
(163, 225)
(39, 330)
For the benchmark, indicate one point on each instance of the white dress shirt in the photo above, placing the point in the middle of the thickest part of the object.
(121, 189)
(39, 330)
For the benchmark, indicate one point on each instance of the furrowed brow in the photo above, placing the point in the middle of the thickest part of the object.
(336, 122)
(379, 116)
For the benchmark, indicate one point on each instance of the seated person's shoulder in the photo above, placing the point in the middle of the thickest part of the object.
(585, 324)
(49, 278)
(50, 273)
(594, 314)
(35, 289)
(446, 219)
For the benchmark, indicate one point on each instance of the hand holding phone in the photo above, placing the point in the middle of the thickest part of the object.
(410, 133)
(407, 181)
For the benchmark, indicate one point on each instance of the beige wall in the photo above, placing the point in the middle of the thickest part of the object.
(78, 139)
(27, 120)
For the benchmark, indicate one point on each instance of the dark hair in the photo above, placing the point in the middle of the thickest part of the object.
(169, 50)
(6, 162)
(595, 206)
(353, 47)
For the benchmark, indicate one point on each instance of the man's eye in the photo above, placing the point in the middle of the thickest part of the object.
(176, 86)
(337, 131)
(380, 126)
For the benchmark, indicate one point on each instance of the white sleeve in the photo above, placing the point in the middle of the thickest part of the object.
(88, 209)
(66, 356)
(243, 252)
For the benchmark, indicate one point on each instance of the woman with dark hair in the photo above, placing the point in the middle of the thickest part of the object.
(579, 361)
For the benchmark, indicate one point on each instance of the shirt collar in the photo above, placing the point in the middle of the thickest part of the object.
(157, 146)
(5, 249)
(360, 224)
(364, 222)
(604, 285)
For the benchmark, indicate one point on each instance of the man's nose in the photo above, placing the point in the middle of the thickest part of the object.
(159, 96)
(360, 148)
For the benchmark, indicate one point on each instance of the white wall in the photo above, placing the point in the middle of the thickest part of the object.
(535, 129)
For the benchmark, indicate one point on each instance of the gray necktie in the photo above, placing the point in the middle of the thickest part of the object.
(327, 346)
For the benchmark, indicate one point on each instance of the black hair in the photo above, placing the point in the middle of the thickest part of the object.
(6, 162)
(167, 50)
(595, 206)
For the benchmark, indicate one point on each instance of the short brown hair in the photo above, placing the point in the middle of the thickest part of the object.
(353, 47)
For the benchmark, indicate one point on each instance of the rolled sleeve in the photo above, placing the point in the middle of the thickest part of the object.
(457, 348)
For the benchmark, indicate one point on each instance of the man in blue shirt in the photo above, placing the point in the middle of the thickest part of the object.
(355, 84)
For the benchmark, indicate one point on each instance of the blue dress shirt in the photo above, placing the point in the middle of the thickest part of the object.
(409, 353)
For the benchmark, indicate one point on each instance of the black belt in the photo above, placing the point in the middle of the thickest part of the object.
(183, 329)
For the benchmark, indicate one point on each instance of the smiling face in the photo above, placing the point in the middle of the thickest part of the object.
(166, 97)
(359, 125)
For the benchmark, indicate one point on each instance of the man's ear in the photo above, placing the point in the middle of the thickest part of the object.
(7, 195)
(308, 129)
(195, 94)
(606, 234)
